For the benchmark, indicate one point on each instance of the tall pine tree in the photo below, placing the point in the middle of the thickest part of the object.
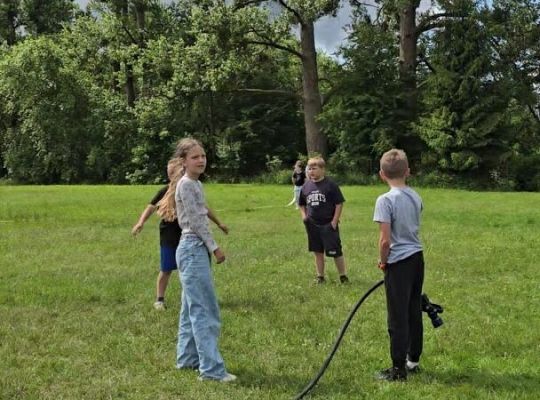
(465, 123)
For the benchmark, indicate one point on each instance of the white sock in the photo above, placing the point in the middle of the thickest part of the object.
(411, 364)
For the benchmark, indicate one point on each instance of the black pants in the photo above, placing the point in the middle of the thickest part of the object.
(403, 282)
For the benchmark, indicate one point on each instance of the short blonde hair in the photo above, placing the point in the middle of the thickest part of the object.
(318, 161)
(394, 164)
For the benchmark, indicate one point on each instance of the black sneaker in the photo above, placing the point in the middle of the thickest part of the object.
(393, 374)
(320, 280)
(344, 279)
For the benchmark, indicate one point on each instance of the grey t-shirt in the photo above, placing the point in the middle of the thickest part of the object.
(401, 208)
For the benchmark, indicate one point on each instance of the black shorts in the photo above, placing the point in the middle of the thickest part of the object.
(323, 239)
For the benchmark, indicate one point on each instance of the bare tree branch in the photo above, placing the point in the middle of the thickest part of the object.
(267, 91)
(432, 21)
(129, 34)
(292, 11)
(245, 3)
(276, 46)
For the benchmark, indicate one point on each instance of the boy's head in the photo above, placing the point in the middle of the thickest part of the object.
(394, 165)
(299, 164)
(316, 168)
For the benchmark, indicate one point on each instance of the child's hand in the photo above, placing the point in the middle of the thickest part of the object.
(220, 256)
(224, 228)
(381, 266)
(334, 225)
(136, 229)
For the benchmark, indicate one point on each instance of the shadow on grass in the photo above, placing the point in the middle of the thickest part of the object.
(257, 303)
(289, 384)
(275, 382)
(510, 382)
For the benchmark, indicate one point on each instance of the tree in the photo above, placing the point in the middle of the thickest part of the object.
(514, 31)
(302, 14)
(9, 15)
(46, 16)
(409, 25)
(33, 17)
(45, 115)
(364, 117)
(465, 122)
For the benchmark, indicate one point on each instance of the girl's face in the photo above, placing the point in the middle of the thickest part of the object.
(195, 162)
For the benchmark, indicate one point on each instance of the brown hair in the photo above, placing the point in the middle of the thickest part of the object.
(318, 161)
(167, 205)
(394, 164)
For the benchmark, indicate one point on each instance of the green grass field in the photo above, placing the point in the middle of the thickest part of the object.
(76, 294)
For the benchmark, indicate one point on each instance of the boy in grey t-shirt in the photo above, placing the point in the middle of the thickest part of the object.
(401, 259)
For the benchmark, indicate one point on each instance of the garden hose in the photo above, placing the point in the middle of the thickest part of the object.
(326, 363)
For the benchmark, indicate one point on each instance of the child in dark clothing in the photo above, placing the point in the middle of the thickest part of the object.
(321, 203)
(169, 236)
(298, 178)
(401, 259)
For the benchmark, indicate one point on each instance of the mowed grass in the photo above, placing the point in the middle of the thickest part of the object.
(76, 294)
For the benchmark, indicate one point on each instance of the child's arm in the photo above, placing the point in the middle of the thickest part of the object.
(148, 211)
(215, 220)
(303, 213)
(337, 215)
(384, 243)
(302, 206)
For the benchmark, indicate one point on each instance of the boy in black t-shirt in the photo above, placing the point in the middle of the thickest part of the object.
(321, 203)
(169, 236)
(298, 178)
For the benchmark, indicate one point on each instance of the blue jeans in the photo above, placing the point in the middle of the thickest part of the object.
(199, 324)
(297, 190)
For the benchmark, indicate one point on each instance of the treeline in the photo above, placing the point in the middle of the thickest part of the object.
(102, 95)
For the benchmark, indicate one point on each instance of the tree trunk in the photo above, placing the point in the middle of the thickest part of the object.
(12, 26)
(407, 54)
(140, 20)
(129, 85)
(115, 83)
(315, 139)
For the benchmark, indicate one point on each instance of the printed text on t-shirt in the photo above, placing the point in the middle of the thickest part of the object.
(314, 198)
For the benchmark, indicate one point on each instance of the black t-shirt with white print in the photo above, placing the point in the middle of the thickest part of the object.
(169, 232)
(299, 178)
(320, 199)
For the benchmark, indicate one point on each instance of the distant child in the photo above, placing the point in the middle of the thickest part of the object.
(199, 325)
(298, 179)
(169, 235)
(321, 203)
(401, 259)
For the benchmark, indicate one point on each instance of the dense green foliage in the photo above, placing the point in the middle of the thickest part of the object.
(103, 95)
(76, 294)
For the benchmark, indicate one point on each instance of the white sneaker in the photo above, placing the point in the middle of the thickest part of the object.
(227, 378)
(412, 367)
(159, 305)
